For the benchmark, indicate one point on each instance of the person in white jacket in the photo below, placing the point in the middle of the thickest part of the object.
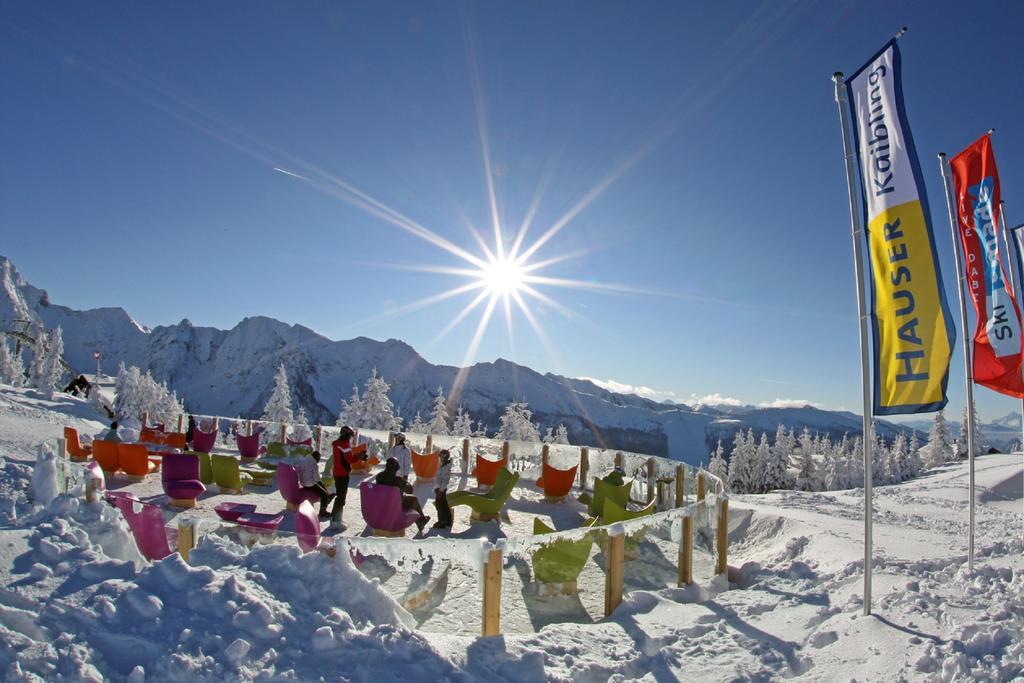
(402, 454)
(441, 483)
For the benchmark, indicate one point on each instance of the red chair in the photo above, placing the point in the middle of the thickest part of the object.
(248, 446)
(203, 442)
(556, 484)
(425, 465)
(486, 471)
(105, 453)
(75, 449)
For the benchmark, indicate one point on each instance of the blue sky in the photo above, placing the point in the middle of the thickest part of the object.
(142, 140)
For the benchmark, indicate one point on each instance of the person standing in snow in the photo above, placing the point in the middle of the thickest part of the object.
(441, 482)
(190, 430)
(401, 453)
(342, 468)
(391, 477)
(309, 479)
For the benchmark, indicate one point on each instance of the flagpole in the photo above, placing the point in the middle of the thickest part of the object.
(1009, 255)
(950, 204)
(865, 377)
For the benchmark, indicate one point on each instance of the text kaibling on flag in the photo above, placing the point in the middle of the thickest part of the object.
(997, 336)
(913, 333)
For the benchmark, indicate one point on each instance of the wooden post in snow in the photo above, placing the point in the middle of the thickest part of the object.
(465, 455)
(491, 621)
(430, 444)
(248, 428)
(186, 539)
(650, 480)
(722, 568)
(181, 422)
(545, 452)
(284, 432)
(504, 450)
(62, 453)
(700, 486)
(145, 418)
(614, 571)
(584, 467)
(686, 552)
(618, 459)
(680, 486)
(318, 435)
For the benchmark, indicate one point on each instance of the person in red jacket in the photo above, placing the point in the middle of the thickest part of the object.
(342, 467)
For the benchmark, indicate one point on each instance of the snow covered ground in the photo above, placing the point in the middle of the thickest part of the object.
(77, 602)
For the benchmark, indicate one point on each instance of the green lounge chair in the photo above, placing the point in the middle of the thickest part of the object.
(557, 565)
(486, 506)
(205, 468)
(275, 449)
(605, 491)
(613, 512)
(226, 474)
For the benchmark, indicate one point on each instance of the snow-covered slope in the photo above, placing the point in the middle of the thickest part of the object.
(77, 602)
(231, 373)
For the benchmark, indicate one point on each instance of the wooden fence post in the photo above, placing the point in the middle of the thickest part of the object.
(722, 569)
(62, 453)
(355, 437)
(650, 480)
(545, 452)
(680, 486)
(181, 423)
(491, 625)
(318, 434)
(614, 571)
(391, 440)
(248, 428)
(145, 418)
(465, 455)
(504, 450)
(284, 432)
(686, 553)
(584, 467)
(700, 486)
(430, 444)
(92, 490)
(618, 459)
(186, 538)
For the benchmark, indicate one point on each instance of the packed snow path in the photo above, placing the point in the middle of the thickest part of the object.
(77, 602)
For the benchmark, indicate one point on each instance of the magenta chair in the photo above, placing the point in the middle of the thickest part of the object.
(147, 526)
(248, 446)
(307, 528)
(203, 442)
(305, 442)
(288, 485)
(180, 476)
(382, 509)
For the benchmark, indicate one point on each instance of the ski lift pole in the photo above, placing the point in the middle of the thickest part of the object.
(950, 204)
(865, 377)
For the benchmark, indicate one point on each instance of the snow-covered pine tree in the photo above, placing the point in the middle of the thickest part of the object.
(897, 464)
(516, 424)
(855, 459)
(11, 370)
(352, 412)
(378, 411)
(439, 415)
(759, 464)
(279, 406)
(462, 425)
(980, 442)
(938, 449)
(776, 471)
(880, 458)
(840, 477)
(549, 435)
(717, 466)
(300, 428)
(53, 371)
(913, 456)
(417, 426)
(168, 407)
(807, 477)
(38, 365)
(128, 390)
(562, 434)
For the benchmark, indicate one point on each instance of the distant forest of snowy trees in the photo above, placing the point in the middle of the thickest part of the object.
(813, 463)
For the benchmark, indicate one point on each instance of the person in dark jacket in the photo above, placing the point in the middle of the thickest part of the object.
(190, 430)
(391, 477)
(342, 468)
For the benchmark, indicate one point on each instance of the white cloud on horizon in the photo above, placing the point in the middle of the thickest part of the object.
(639, 390)
(716, 399)
(788, 403)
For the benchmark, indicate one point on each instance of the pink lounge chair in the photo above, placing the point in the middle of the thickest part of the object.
(382, 509)
(147, 526)
(307, 529)
(248, 446)
(230, 512)
(203, 442)
(260, 523)
(288, 485)
(180, 477)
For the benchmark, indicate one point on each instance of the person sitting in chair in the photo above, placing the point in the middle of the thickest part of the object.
(309, 479)
(391, 477)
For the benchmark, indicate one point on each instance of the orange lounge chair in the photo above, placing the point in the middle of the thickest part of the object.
(363, 465)
(134, 460)
(148, 434)
(556, 483)
(425, 465)
(75, 449)
(486, 471)
(105, 453)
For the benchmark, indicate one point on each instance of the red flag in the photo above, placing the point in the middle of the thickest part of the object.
(997, 337)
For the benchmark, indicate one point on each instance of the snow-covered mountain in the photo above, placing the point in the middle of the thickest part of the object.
(230, 372)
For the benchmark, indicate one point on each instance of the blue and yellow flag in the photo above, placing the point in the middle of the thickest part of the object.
(913, 332)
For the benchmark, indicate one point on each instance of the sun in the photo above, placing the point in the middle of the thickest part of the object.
(503, 276)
